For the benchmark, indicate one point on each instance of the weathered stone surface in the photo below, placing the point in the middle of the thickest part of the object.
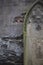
(34, 40)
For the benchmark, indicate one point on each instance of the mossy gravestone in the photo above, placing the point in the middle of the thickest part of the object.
(33, 35)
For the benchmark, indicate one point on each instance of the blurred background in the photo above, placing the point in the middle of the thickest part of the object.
(12, 14)
(9, 9)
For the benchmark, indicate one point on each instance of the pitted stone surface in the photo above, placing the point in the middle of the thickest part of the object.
(35, 35)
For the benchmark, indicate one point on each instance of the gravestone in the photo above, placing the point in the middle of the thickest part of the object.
(33, 35)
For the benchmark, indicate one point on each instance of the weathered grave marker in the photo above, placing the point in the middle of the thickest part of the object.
(33, 35)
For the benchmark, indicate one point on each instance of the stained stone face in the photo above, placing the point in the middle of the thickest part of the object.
(35, 36)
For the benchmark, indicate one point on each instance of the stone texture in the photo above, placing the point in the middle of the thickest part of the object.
(34, 40)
